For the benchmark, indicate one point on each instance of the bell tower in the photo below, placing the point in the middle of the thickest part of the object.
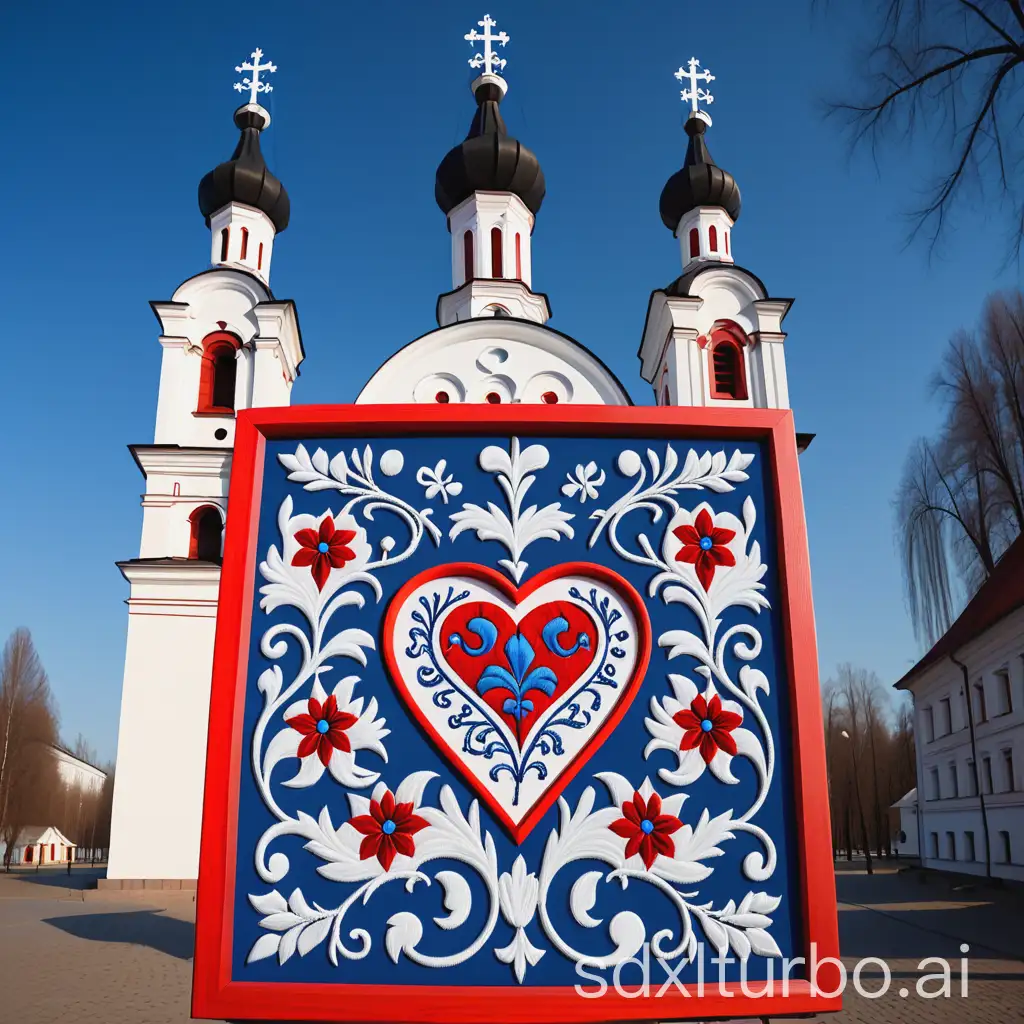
(227, 345)
(713, 337)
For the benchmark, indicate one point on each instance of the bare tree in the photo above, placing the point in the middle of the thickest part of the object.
(960, 502)
(28, 727)
(870, 759)
(949, 71)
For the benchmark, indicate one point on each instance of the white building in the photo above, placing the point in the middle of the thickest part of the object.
(969, 723)
(711, 337)
(905, 838)
(78, 774)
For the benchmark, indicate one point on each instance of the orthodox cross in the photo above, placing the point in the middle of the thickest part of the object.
(254, 85)
(488, 60)
(695, 94)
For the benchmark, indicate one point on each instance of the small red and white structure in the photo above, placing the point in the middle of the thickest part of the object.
(42, 845)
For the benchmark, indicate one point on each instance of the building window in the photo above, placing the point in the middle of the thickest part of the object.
(217, 376)
(245, 243)
(727, 379)
(694, 243)
(951, 846)
(225, 238)
(259, 257)
(972, 779)
(726, 243)
(665, 400)
(206, 528)
(1003, 692)
(936, 792)
(954, 782)
(1011, 782)
(981, 709)
(519, 257)
(969, 846)
(986, 774)
(29, 851)
(945, 717)
(468, 262)
(933, 844)
(1004, 844)
(496, 266)
(713, 238)
(53, 851)
(928, 724)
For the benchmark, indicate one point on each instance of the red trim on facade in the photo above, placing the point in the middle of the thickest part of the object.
(205, 534)
(259, 257)
(497, 265)
(468, 266)
(694, 243)
(245, 243)
(225, 240)
(726, 361)
(713, 239)
(217, 374)
(216, 996)
(519, 257)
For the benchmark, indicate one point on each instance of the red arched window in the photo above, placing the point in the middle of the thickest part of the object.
(694, 243)
(728, 376)
(206, 529)
(727, 243)
(28, 854)
(217, 376)
(519, 257)
(245, 243)
(713, 238)
(225, 237)
(259, 257)
(496, 268)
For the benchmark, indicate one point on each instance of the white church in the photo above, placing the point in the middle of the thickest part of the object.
(712, 337)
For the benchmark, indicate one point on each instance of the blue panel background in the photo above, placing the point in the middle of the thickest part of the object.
(410, 751)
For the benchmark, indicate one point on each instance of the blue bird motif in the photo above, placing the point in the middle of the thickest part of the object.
(484, 629)
(554, 629)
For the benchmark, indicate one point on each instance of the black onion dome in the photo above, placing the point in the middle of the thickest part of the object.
(489, 160)
(245, 178)
(699, 182)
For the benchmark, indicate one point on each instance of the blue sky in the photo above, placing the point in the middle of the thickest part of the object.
(113, 113)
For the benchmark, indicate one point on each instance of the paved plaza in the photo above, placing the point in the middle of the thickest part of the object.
(128, 960)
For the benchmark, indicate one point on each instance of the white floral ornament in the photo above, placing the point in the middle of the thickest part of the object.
(436, 483)
(703, 731)
(326, 732)
(517, 893)
(584, 482)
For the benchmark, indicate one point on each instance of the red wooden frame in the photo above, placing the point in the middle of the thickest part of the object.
(216, 995)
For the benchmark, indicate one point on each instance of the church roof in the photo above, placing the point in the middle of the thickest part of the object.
(699, 182)
(1001, 594)
(489, 159)
(245, 178)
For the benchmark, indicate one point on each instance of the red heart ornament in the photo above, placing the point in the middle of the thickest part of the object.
(517, 686)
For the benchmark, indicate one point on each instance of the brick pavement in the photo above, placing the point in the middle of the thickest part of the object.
(128, 960)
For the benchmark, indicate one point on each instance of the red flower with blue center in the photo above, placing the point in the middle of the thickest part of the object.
(646, 829)
(704, 546)
(707, 725)
(323, 729)
(324, 550)
(389, 828)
